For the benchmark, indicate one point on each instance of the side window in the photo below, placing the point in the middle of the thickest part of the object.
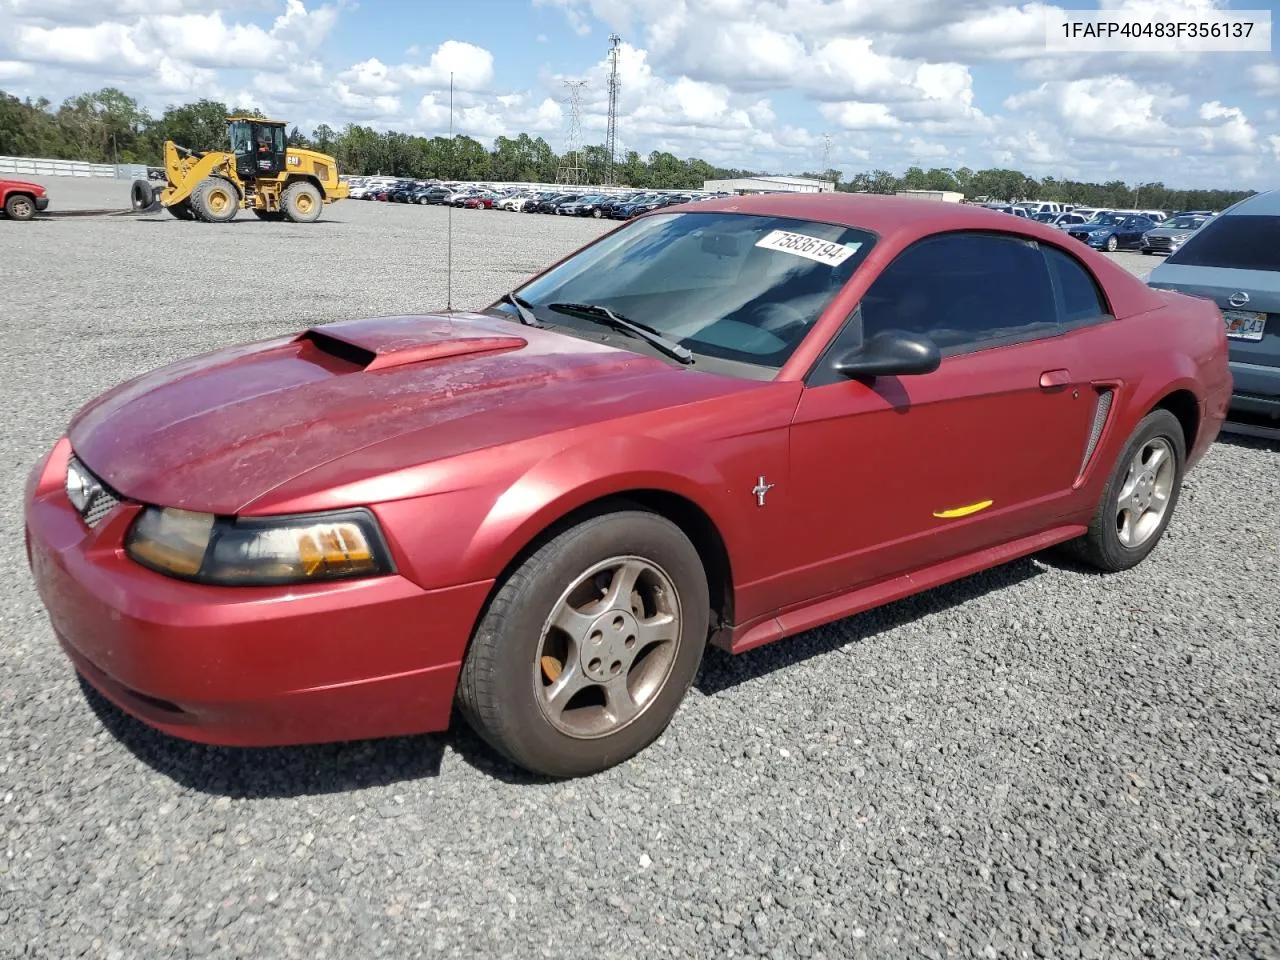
(1081, 298)
(964, 291)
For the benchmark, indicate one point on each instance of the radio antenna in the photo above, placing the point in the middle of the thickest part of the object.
(448, 280)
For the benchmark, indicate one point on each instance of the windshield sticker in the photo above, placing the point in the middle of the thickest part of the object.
(812, 248)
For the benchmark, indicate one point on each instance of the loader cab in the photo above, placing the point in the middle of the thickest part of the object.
(258, 146)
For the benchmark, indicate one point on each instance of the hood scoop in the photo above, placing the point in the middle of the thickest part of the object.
(381, 343)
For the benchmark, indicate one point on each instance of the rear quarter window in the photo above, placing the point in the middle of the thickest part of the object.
(1236, 241)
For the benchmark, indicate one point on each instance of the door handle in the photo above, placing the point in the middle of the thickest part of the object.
(1054, 378)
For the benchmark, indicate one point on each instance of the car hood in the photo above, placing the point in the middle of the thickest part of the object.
(219, 431)
(38, 188)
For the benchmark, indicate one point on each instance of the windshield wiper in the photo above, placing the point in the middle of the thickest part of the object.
(522, 308)
(641, 331)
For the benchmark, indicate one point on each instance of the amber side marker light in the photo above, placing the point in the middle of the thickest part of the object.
(259, 551)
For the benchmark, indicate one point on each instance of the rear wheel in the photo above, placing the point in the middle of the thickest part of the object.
(1139, 498)
(20, 207)
(586, 651)
(302, 202)
(215, 200)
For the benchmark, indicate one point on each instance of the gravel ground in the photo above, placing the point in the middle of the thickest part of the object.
(1037, 761)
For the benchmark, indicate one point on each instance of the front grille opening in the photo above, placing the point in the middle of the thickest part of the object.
(102, 499)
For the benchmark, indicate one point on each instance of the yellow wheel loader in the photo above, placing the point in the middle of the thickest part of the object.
(260, 173)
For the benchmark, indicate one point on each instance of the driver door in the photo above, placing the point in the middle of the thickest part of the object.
(901, 473)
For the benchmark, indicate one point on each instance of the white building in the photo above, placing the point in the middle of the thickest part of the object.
(743, 185)
(947, 196)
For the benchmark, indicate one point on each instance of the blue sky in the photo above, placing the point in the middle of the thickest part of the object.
(763, 84)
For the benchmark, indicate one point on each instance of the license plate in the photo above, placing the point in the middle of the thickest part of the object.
(1244, 324)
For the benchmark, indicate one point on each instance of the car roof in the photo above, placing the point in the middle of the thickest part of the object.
(1260, 204)
(900, 221)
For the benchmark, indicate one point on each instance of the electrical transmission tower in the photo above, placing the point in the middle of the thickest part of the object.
(611, 138)
(571, 166)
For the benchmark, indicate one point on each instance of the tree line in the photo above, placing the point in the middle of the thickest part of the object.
(108, 126)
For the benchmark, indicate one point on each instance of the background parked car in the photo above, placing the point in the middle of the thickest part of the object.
(549, 204)
(20, 199)
(588, 206)
(431, 195)
(1170, 235)
(1234, 259)
(1113, 231)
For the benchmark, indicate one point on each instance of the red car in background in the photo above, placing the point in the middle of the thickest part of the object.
(483, 201)
(21, 199)
(726, 423)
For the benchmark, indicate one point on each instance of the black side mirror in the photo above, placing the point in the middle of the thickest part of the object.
(890, 353)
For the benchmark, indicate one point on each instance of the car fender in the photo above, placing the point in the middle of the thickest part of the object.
(595, 469)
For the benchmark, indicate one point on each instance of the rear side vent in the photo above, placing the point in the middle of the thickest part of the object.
(1100, 413)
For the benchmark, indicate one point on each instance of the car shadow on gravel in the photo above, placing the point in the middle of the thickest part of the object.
(722, 670)
(279, 772)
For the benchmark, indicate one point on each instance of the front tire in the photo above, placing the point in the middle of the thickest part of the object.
(302, 202)
(587, 649)
(20, 207)
(1139, 498)
(215, 200)
(1112, 244)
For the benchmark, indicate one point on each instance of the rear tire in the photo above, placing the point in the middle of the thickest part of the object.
(517, 656)
(302, 202)
(215, 200)
(20, 207)
(1135, 483)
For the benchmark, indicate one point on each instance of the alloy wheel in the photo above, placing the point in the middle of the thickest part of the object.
(608, 647)
(1145, 492)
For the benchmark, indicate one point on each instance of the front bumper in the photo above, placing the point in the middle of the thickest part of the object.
(247, 666)
(42, 203)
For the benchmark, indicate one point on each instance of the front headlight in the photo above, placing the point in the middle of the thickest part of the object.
(258, 551)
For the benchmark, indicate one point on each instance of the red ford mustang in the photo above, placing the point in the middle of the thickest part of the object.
(726, 423)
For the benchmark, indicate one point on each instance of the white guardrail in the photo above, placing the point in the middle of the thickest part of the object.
(41, 167)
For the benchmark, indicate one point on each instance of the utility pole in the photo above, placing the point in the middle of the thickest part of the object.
(611, 138)
(571, 166)
(826, 154)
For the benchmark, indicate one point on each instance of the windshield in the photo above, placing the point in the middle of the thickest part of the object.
(736, 287)
(1105, 220)
(1241, 242)
(241, 138)
(1186, 223)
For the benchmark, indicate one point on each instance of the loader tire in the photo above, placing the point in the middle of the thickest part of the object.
(142, 196)
(215, 200)
(181, 210)
(302, 202)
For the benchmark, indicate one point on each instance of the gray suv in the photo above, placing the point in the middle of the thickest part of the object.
(1234, 260)
(1172, 234)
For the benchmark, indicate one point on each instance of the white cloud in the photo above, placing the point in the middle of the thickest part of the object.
(1266, 77)
(13, 70)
